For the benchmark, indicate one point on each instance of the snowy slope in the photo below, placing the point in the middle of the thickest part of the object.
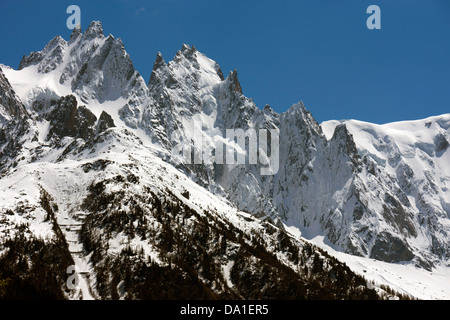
(405, 278)
(79, 183)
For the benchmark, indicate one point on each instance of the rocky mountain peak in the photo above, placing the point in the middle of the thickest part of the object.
(105, 71)
(159, 69)
(346, 144)
(57, 41)
(104, 122)
(76, 33)
(94, 30)
(192, 67)
(159, 61)
(49, 58)
(235, 85)
(303, 118)
(187, 51)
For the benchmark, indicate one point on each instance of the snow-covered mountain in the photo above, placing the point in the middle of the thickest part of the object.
(406, 179)
(88, 176)
(362, 212)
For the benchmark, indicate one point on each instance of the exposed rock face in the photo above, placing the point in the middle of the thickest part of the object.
(104, 122)
(10, 105)
(441, 143)
(69, 120)
(13, 124)
(386, 244)
(49, 58)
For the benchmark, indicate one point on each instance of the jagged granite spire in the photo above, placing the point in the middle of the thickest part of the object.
(235, 85)
(49, 58)
(159, 62)
(94, 30)
(158, 67)
(76, 33)
(186, 51)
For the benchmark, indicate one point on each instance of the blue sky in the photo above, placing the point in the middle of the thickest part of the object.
(320, 51)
